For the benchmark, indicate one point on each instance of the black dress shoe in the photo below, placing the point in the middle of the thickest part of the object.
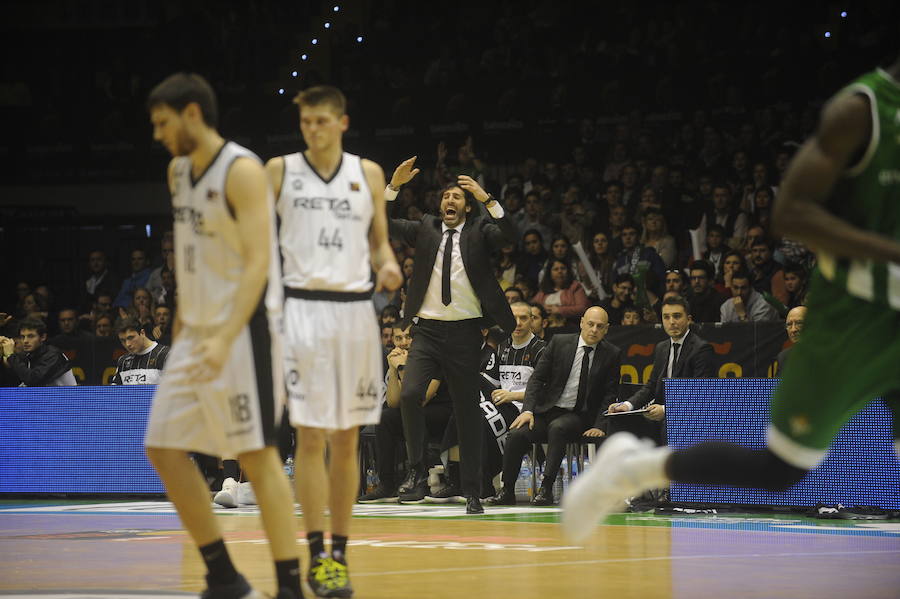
(544, 496)
(503, 497)
(473, 505)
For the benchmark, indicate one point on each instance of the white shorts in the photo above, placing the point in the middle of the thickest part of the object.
(333, 361)
(237, 412)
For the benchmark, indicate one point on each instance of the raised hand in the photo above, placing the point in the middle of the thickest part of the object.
(404, 172)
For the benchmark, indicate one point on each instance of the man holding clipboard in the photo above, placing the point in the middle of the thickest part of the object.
(684, 356)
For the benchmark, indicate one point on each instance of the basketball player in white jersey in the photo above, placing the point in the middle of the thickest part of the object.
(221, 392)
(332, 234)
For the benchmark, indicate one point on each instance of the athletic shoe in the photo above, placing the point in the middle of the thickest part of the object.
(446, 494)
(543, 497)
(245, 494)
(604, 486)
(503, 497)
(473, 505)
(239, 589)
(228, 496)
(416, 494)
(414, 477)
(329, 578)
(380, 494)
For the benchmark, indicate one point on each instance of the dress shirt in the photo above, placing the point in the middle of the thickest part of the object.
(464, 302)
(569, 395)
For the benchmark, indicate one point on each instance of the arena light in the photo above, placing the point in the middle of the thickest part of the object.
(327, 25)
(295, 74)
(304, 56)
(827, 34)
(315, 41)
(359, 39)
(336, 8)
(280, 91)
(843, 14)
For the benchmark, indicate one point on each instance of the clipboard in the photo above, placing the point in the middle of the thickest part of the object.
(638, 411)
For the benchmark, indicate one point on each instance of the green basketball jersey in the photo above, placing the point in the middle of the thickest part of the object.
(868, 195)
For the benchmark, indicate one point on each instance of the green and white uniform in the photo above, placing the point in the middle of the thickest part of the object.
(849, 352)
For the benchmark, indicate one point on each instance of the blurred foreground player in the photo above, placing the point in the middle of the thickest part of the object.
(222, 390)
(332, 235)
(841, 195)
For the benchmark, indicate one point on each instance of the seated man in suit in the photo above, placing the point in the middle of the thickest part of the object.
(577, 375)
(683, 355)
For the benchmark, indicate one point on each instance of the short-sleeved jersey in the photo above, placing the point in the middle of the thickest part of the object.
(868, 196)
(323, 226)
(141, 369)
(208, 255)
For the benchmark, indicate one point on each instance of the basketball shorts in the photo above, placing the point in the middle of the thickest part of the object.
(848, 354)
(333, 362)
(237, 412)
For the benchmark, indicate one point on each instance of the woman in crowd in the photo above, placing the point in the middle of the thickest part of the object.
(560, 293)
(656, 235)
(596, 274)
(731, 263)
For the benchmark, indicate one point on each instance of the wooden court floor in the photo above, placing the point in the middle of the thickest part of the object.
(80, 550)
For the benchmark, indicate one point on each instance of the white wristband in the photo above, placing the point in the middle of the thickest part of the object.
(390, 194)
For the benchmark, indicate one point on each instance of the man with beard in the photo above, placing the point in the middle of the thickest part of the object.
(222, 391)
(454, 294)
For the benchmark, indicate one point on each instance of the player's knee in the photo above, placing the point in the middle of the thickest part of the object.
(781, 475)
(310, 440)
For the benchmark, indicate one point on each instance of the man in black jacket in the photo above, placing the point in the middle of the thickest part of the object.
(38, 365)
(454, 293)
(683, 356)
(575, 378)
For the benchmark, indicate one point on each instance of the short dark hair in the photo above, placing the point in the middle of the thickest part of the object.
(762, 240)
(716, 228)
(741, 273)
(129, 323)
(795, 268)
(470, 199)
(323, 94)
(181, 89)
(705, 266)
(540, 308)
(533, 232)
(517, 290)
(402, 324)
(623, 277)
(677, 300)
(32, 324)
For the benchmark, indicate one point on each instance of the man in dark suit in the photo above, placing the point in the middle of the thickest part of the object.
(576, 377)
(454, 294)
(683, 356)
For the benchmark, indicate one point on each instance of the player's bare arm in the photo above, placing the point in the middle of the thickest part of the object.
(388, 275)
(247, 193)
(844, 130)
(275, 174)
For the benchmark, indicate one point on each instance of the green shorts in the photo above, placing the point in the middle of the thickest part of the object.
(848, 354)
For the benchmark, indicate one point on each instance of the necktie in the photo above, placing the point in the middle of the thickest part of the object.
(448, 258)
(583, 379)
(675, 348)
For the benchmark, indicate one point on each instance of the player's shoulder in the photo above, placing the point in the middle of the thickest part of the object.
(850, 108)
(370, 167)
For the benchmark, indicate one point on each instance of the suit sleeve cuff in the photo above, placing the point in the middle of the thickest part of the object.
(389, 194)
(496, 210)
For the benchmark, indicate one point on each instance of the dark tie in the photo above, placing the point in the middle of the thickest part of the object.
(583, 379)
(448, 258)
(676, 347)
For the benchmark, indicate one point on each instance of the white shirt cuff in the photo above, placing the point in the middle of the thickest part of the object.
(496, 210)
(629, 404)
(389, 194)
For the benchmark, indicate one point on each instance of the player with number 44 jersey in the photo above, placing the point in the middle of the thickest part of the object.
(332, 232)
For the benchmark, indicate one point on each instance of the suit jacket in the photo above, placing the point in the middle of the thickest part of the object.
(552, 372)
(695, 361)
(478, 240)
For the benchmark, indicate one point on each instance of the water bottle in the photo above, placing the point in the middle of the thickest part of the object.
(523, 483)
(289, 469)
(371, 480)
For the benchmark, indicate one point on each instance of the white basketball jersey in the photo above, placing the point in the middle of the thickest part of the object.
(324, 226)
(208, 260)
